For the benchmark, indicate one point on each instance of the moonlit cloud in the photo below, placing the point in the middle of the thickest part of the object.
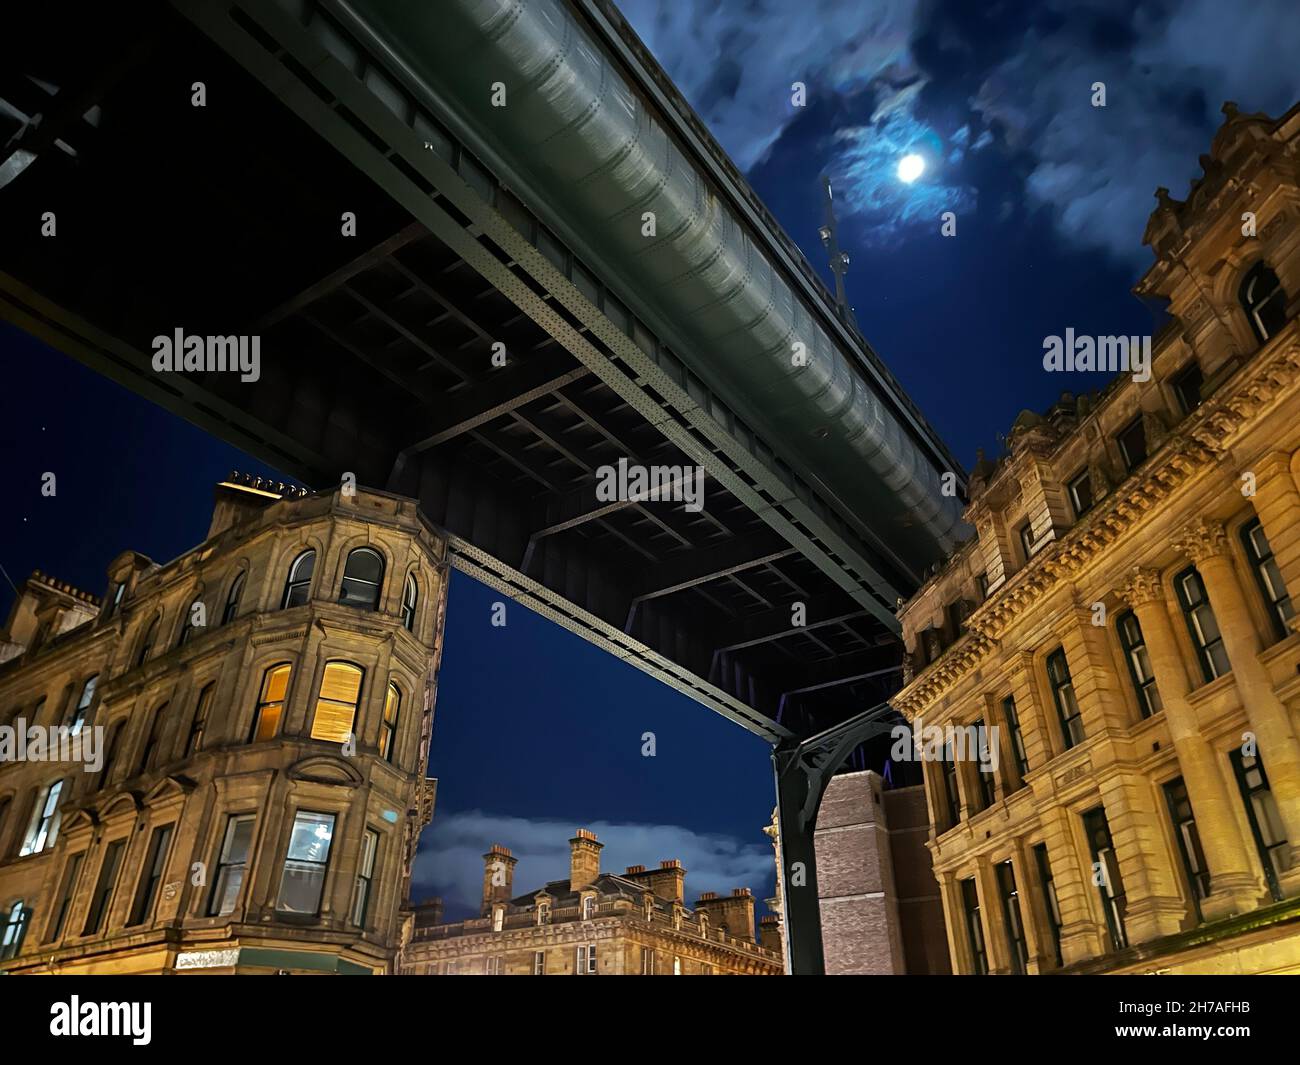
(450, 860)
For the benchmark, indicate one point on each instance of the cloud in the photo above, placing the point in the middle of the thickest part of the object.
(450, 859)
(1096, 168)
(735, 62)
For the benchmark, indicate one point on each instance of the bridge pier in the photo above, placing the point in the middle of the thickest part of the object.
(802, 770)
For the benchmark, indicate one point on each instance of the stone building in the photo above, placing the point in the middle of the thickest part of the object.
(250, 724)
(1124, 619)
(634, 923)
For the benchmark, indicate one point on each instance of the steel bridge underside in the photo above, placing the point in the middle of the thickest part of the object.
(376, 354)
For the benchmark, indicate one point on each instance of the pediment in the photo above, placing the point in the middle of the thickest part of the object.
(169, 787)
(83, 820)
(123, 804)
(322, 769)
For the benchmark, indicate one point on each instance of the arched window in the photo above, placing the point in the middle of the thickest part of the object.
(152, 753)
(11, 940)
(78, 716)
(410, 596)
(336, 707)
(270, 702)
(1264, 301)
(362, 578)
(297, 589)
(232, 600)
(195, 618)
(147, 642)
(388, 727)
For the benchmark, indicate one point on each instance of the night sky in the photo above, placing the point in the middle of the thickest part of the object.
(538, 733)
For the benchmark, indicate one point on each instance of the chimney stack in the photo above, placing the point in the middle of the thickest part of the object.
(734, 913)
(668, 882)
(584, 859)
(769, 932)
(498, 877)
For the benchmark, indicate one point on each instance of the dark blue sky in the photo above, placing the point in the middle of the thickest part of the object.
(538, 733)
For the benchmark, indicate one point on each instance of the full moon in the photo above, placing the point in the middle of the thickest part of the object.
(910, 167)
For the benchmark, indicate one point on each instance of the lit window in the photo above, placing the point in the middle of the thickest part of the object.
(1269, 578)
(232, 600)
(270, 702)
(1139, 664)
(297, 589)
(1264, 301)
(1202, 624)
(363, 577)
(336, 708)
(388, 727)
(365, 876)
(410, 597)
(115, 599)
(232, 861)
(16, 921)
(677, 966)
(43, 829)
(498, 919)
(305, 864)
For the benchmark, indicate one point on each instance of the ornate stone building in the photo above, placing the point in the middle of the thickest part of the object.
(254, 720)
(1124, 618)
(630, 924)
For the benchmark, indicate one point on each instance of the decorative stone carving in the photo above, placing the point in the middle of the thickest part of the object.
(1202, 539)
(1143, 586)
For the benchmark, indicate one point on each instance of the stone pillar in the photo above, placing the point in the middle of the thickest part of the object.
(996, 947)
(1206, 543)
(1154, 904)
(954, 919)
(1277, 502)
(1033, 912)
(1234, 887)
(1096, 685)
(1081, 934)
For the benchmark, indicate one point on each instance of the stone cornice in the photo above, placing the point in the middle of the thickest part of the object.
(1206, 435)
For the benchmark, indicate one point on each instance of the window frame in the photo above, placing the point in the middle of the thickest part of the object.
(1084, 476)
(68, 884)
(293, 582)
(341, 664)
(1066, 721)
(1148, 706)
(1258, 271)
(222, 864)
(105, 890)
(323, 865)
(263, 702)
(1278, 616)
(151, 874)
(1047, 882)
(1018, 752)
(1178, 382)
(230, 611)
(365, 875)
(410, 602)
(387, 726)
(1264, 851)
(1186, 833)
(976, 940)
(1114, 899)
(11, 941)
(1013, 917)
(378, 584)
(43, 825)
(1121, 440)
(1204, 648)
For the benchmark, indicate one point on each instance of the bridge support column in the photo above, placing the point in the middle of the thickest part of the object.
(802, 771)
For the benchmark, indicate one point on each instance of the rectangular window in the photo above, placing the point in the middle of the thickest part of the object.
(1189, 843)
(1265, 820)
(232, 861)
(1269, 578)
(15, 928)
(982, 583)
(1133, 444)
(1080, 489)
(365, 874)
(1139, 664)
(543, 913)
(154, 864)
(1067, 705)
(950, 790)
(199, 721)
(104, 887)
(43, 829)
(1201, 624)
(1111, 888)
(974, 929)
(270, 703)
(67, 891)
(1017, 737)
(1027, 540)
(1187, 386)
(492, 967)
(1049, 897)
(1011, 914)
(984, 767)
(305, 863)
(647, 961)
(110, 757)
(586, 960)
(539, 963)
